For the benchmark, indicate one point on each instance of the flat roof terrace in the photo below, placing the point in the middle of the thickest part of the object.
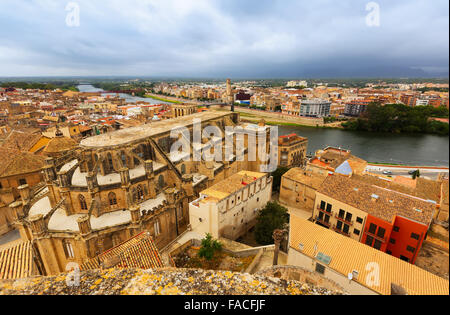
(136, 134)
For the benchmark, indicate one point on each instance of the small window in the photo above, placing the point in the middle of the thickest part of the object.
(83, 204)
(157, 228)
(320, 269)
(357, 232)
(323, 205)
(329, 208)
(68, 249)
(396, 229)
(372, 228)
(22, 181)
(377, 244)
(381, 232)
(348, 217)
(359, 220)
(415, 236)
(410, 249)
(392, 241)
(369, 240)
(404, 258)
(112, 199)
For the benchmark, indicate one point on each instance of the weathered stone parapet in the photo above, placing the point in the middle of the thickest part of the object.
(167, 281)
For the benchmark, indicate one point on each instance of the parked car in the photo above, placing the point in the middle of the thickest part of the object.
(387, 172)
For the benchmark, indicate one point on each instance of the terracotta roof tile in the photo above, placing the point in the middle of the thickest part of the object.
(138, 252)
(386, 205)
(348, 255)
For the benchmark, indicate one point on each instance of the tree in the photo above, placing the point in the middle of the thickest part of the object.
(272, 217)
(209, 247)
(277, 175)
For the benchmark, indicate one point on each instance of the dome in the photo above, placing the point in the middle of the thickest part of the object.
(60, 145)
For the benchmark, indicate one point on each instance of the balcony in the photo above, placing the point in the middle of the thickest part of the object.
(340, 231)
(321, 221)
(381, 239)
(324, 211)
(350, 223)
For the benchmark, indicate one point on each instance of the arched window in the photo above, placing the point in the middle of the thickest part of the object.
(124, 158)
(68, 249)
(180, 213)
(112, 199)
(157, 228)
(161, 182)
(83, 204)
(135, 197)
(183, 169)
(140, 192)
(110, 162)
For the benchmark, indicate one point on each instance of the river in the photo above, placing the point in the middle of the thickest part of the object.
(129, 98)
(417, 150)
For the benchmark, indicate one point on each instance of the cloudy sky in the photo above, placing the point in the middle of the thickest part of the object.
(224, 38)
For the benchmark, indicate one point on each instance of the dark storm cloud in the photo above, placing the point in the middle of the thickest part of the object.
(250, 38)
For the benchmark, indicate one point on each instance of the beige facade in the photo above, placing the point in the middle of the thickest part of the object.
(299, 186)
(117, 185)
(183, 110)
(292, 150)
(339, 217)
(229, 209)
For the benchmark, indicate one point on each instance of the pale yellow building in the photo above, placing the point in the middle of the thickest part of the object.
(372, 272)
(229, 209)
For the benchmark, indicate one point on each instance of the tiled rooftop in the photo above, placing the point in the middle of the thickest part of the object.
(138, 252)
(231, 185)
(343, 189)
(16, 261)
(348, 255)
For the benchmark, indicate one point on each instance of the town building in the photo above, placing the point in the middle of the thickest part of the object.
(17, 169)
(180, 110)
(292, 151)
(387, 220)
(315, 108)
(230, 208)
(119, 184)
(356, 108)
(299, 186)
(359, 269)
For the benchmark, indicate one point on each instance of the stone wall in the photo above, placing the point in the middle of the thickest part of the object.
(168, 281)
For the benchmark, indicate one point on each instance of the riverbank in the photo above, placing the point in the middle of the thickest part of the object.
(162, 99)
(279, 119)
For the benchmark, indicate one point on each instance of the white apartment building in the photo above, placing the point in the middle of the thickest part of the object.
(230, 208)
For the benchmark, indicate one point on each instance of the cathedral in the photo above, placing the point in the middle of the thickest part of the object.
(117, 185)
